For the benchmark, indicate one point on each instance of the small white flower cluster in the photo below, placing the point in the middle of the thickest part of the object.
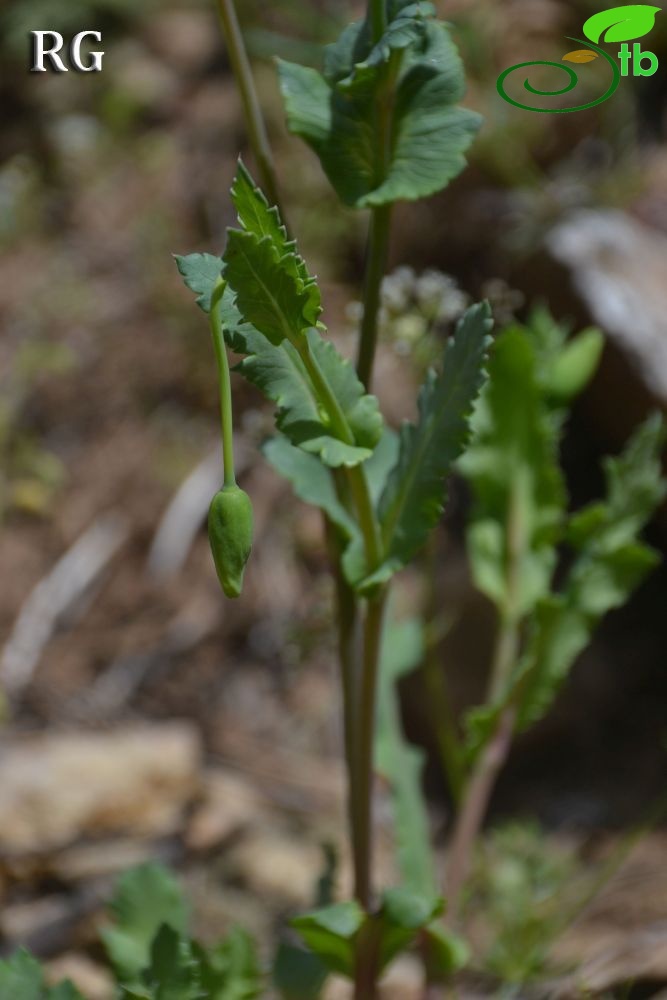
(433, 294)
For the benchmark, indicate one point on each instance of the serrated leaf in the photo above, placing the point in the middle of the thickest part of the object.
(200, 273)
(621, 24)
(256, 216)
(330, 933)
(254, 212)
(270, 293)
(280, 374)
(414, 497)
(145, 898)
(230, 970)
(401, 763)
(518, 492)
(611, 563)
(339, 119)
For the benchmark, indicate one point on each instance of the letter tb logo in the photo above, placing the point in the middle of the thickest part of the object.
(47, 45)
(617, 24)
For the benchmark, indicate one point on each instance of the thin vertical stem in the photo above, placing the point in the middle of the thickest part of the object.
(257, 134)
(226, 418)
(376, 263)
(378, 19)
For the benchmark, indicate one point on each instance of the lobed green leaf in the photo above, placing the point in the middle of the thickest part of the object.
(610, 565)
(369, 160)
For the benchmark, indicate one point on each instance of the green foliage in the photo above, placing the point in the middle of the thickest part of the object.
(414, 496)
(609, 565)
(383, 119)
(298, 974)
(151, 952)
(330, 933)
(22, 978)
(230, 970)
(401, 763)
(269, 312)
(511, 465)
(621, 24)
(334, 933)
(403, 914)
(145, 899)
(172, 973)
(519, 520)
(444, 952)
(523, 886)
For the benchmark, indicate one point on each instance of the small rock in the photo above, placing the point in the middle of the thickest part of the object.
(57, 788)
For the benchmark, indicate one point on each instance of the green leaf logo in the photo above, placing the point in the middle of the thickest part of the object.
(621, 24)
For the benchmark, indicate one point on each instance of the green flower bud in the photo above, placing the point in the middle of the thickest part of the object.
(230, 535)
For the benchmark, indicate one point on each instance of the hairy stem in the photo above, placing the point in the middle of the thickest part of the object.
(257, 134)
(226, 418)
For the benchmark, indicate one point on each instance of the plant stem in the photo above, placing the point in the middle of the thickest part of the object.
(368, 959)
(378, 19)
(378, 247)
(347, 620)
(483, 778)
(257, 134)
(226, 418)
(372, 641)
(356, 475)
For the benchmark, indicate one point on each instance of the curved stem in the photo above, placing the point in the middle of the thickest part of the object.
(226, 417)
(257, 134)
